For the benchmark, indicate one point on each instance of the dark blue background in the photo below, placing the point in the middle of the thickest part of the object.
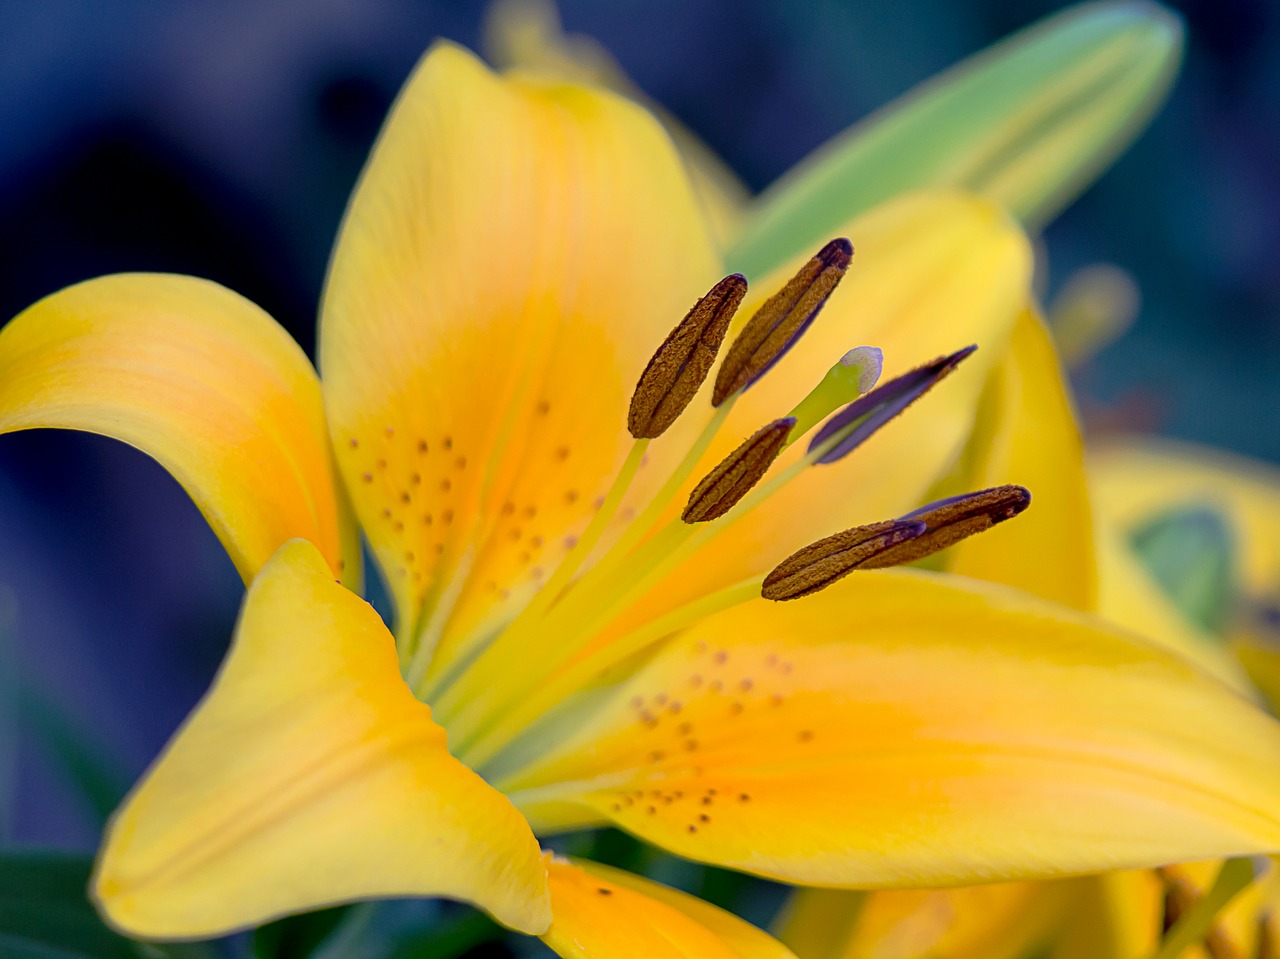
(222, 138)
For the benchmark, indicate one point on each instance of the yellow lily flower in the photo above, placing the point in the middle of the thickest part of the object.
(514, 252)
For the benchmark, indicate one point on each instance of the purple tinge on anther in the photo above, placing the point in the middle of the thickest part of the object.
(861, 418)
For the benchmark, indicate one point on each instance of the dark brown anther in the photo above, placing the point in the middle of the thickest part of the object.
(737, 473)
(782, 320)
(818, 565)
(952, 519)
(678, 368)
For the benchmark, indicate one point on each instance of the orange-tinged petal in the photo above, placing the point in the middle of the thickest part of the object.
(905, 729)
(932, 272)
(1027, 433)
(309, 775)
(604, 913)
(203, 381)
(515, 252)
(999, 921)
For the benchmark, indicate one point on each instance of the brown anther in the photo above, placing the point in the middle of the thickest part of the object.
(818, 565)
(782, 320)
(722, 488)
(950, 520)
(681, 364)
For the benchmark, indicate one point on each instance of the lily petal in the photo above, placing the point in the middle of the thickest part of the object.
(1137, 477)
(203, 381)
(999, 921)
(1027, 434)
(907, 729)
(514, 253)
(604, 913)
(309, 775)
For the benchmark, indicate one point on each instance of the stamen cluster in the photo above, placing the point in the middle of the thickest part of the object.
(551, 649)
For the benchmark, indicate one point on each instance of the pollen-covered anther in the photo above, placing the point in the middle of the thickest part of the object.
(950, 520)
(681, 364)
(818, 565)
(737, 473)
(858, 421)
(782, 320)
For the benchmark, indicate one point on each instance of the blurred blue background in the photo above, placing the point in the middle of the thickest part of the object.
(221, 138)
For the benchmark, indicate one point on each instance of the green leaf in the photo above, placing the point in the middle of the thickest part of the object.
(1190, 552)
(1031, 121)
(45, 912)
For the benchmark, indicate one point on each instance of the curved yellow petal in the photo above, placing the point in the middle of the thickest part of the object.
(515, 252)
(309, 775)
(1139, 478)
(932, 272)
(1027, 433)
(909, 729)
(604, 913)
(203, 381)
(1135, 478)
(1128, 596)
(999, 921)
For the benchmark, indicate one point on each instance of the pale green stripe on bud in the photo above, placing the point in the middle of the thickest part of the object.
(1030, 122)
